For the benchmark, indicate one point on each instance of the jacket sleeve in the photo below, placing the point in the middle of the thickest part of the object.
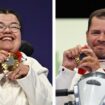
(36, 85)
(63, 81)
(64, 78)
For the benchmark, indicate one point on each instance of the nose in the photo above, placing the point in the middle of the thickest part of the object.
(7, 29)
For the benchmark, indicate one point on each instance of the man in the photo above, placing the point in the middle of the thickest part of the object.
(26, 83)
(94, 61)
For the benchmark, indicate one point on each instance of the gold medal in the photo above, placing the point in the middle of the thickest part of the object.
(11, 63)
(77, 60)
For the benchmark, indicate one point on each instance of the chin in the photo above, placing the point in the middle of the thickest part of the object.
(7, 49)
(100, 55)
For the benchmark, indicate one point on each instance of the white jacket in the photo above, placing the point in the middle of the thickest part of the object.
(35, 87)
(66, 79)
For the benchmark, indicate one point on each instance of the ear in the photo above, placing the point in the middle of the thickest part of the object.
(87, 36)
(87, 33)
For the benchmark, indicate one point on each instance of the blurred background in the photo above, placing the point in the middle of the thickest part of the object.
(37, 27)
(71, 24)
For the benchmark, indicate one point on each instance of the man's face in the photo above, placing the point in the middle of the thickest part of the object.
(10, 35)
(96, 37)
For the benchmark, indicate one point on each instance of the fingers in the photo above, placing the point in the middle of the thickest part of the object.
(90, 63)
(3, 55)
(13, 74)
(88, 51)
(6, 53)
(20, 72)
(69, 57)
(86, 66)
(87, 59)
(73, 52)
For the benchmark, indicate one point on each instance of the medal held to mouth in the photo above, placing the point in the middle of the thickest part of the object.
(12, 62)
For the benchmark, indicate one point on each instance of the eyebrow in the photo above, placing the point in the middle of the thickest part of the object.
(10, 23)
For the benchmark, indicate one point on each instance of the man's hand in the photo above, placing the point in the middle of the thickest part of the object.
(20, 72)
(90, 62)
(69, 57)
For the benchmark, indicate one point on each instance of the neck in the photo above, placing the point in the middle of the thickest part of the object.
(101, 60)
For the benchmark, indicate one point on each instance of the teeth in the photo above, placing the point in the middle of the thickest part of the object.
(7, 38)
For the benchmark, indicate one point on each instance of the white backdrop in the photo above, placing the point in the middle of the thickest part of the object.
(69, 33)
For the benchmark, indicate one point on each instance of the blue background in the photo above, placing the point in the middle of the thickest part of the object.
(37, 27)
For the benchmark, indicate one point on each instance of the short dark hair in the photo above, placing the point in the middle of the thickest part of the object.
(100, 13)
(9, 11)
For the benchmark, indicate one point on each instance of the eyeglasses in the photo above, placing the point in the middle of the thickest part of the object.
(14, 27)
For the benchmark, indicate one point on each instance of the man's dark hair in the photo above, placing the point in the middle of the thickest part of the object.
(100, 13)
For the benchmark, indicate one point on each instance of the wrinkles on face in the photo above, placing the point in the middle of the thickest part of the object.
(96, 37)
(97, 42)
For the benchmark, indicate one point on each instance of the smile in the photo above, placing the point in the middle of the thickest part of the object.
(9, 38)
